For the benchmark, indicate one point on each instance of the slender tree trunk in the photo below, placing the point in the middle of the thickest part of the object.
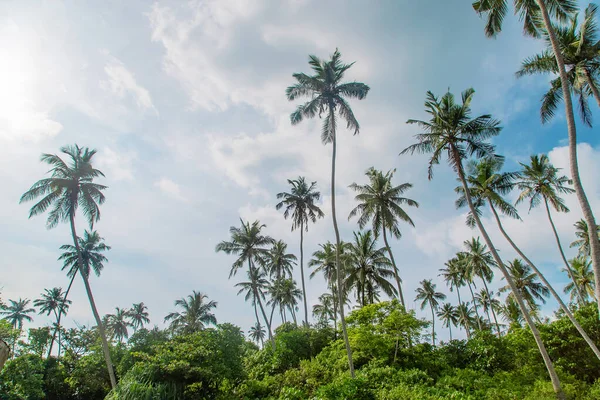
(4, 353)
(592, 86)
(450, 327)
(562, 305)
(88, 289)
(534, 330)
(491, 307)
(272, 312)
(586, 209)
(302, 273)
(335, 310)
(463, 319)
(293, 315)
(432, 325)
(475, 306)
(396, 274)
(562, 254)
(255, 309)
(60, 313)
(338, 265)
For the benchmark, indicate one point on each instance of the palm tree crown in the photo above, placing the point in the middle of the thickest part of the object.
(583, 238)
(278, 262)
(581, 268)
(195, 313)
(91, 246)
(118, 324)
(527, 283)
(52, 301)
(17, 312)
(300, 203)
(138, 315)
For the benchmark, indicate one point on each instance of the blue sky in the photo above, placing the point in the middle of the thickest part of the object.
(185, 103)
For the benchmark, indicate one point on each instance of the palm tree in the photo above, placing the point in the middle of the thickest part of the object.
(53, 301)
(290, 296)
(487, 185)
(250, 245)
(451, 130)
(580, 50)
(539, 181)
(369, 269)
(583, 279)
(583, 238)
(324, 310)
(536, 16)
(381, 204)
(455, 276)
(466, 317)
(118, 324)
(511, 312)
(448, 314)
(195, 313)
(527, 283)
(16, 313)
(69, 187)
(278, 262)
(254, 289)
(428, 296)
(488, 303)
(257, 333)
(138, 315)
(300, 204)
(327, 95)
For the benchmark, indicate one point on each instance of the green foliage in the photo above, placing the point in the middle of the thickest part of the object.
(23, 379)
(38, 340)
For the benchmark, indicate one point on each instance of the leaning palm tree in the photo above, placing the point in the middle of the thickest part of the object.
(583, 238)
(250, 245)
(451, 130)
(448, 314)
(327, 95)
(583, 279)
(539, 181)
(527, 283)
(195, 314)
(53, 301)
(278, 262)
(428, 296)
(17, 312)
(257, 333)
(71, 187)
(536, 15)
(118, 324)
(138, 316)
(381, 204)
(301, 205)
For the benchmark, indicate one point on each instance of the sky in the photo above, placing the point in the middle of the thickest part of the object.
(185, 103)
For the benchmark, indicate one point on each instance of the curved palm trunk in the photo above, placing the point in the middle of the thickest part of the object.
(432, 325)
(396, 274)
(534, 330)
(586, 209)
(463, 317)
(88, 289)
(543, 279)
(475, 306)
(302, 273)
(60, 313)
(562, 254)
(4, 353)
(592, 86)
(491, 307)
(271, 316)
(337, 251)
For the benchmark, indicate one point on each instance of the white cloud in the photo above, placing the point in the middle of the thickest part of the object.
(116, 165)
(122, 81)
(171, 189)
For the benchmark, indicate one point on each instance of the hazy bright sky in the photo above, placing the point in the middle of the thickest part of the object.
(185, 102)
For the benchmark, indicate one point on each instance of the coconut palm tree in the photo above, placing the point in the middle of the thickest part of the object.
(278, 262)
(539, 181)
(583, 238)
(300, 204)
(71, 187)
(580, 50)
(527, 283)
(467, 318)
(583, 279)
(511, 312)
(290, 296)
(324, 310)
(118, 324)
(195, 314)
(138, 316)
(254, 289)
(449, 316)
(327, 95)
(251, 246)
(428, 296)
(381, 204)
(53, 301)
(17, 312)
(488, 303)
(257, 333)
(469, 276)
(455, 276)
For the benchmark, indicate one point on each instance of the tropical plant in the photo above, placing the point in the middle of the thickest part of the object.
(53, 301)
(583, 279)
(466, 317)
(278, 262)
(327, 95)
(324, 311)
(381, 204)
(527, 283)
(455, 276)
(117, 324)
(257, 333)
(511, 312)
(254, 289)
(138, 316)
(301, 205)
(70, 187)
(488, 303)
(195, 314)
(17, 312)
(583, 238)
(428, 296)
(449, 315)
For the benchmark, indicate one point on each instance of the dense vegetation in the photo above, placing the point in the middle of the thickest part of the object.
(380, 350)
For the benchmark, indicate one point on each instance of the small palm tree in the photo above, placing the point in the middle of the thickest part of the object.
(511, 312)
(118, 324)
(71, 187)
(17, 312)
(455, 276)
(449, 315)
(428, 296)
(53, 301)
(254, 289)
(381, 204)
(466, 317)
(291, 295)
(488, 303)
(138, 316)
(278, 262)
(324, 310)
(583, 238)
(301, 205)
(527, 283)
(583, 279)
(257, 333)
(195, 314)
(327, 95)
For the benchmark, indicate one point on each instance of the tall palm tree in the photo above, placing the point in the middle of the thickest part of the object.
(278, 262)
(369, 269)
(138, 316)
(580, 50)
(583, 238)
(469, 278)
(454, 275)
(327, 95)
(583, 279)
(53, 301)
(118, 324)
(451, 130)
(254, 289)
(301, 205)
(536, 16)
(486, 186)
(257, 333)
(527, 283)
(448, 314)
(195, 314)
(70, 187)
(539, 181)
(250, 245)
(381, 204)
(17, 312)
(428, 296)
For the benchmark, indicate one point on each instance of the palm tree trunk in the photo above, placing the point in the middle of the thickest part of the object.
(302, 273)
(255, 310)
(432, 325)
(475, 306)
(293, 315)
(543, 279)
(88, 289)
(450, 327)
(586, 209)
(4, 353)
(463, 319)
(491, 307)
(396, 275)
(592, 86)
(335, 310)
(272, 312)
(534, 330)
(338, 266)
(562, 254)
